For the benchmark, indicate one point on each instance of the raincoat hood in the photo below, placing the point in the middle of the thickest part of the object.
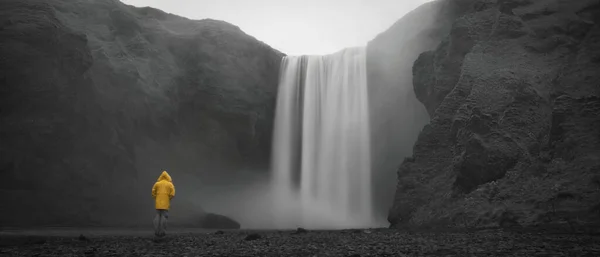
(164, 176)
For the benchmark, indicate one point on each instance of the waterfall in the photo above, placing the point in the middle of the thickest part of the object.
(321, 147)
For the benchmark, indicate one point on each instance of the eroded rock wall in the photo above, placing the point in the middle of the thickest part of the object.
(512, 92)
(396, 115)
(98, 97)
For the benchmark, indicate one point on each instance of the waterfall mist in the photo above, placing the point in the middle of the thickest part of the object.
(321, 153)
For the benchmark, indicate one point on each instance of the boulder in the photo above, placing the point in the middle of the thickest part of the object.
(217, 221)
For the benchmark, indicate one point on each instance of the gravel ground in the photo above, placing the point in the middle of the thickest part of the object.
(381, 242)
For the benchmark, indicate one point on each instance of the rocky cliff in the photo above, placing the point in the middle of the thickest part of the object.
(513, 94)
(396, 115)
(98, 97)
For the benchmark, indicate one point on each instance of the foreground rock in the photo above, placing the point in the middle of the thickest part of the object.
(98, 97)
(321, 243)
(513, 95)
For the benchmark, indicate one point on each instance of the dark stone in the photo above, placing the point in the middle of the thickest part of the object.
(390, 58)
(484, 162)
(22, 241)
(83, 238)
(508, 220)
(596, 181)
(301, 231)
(510, 27)
(216, 221)
(535, 15)
(546, 45)
(513, 96)
(565, 195)
(91, 251)
(424, 80)
(507, 6)
(252, 237)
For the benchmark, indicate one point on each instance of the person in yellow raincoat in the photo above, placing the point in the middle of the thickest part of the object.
(162, 192)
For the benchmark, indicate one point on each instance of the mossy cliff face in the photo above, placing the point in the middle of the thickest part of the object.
(513, 97)
(98, 97)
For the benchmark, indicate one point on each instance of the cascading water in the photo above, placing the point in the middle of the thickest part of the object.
(321, 154)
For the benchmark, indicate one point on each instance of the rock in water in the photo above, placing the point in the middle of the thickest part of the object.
(216, 221)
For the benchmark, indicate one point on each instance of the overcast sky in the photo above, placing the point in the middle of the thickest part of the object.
(297, 26)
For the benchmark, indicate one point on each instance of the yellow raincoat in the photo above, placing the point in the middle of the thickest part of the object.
(163, 191)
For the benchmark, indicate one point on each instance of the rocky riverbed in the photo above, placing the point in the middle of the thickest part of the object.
(380, 242)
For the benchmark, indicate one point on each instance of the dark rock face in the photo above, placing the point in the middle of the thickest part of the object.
(512, 92)
(216, 221)
(396, 115)
(98, 97)
(483, 162)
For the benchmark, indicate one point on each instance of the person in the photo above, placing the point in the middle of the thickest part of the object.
(162, 192)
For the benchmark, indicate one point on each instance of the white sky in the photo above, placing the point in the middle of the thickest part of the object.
(297, 27)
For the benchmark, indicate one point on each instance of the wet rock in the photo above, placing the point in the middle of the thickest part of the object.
(484, 162)
(334, 243)
(90, 251)
(510, 27)
(574, 122)
(252, 237)
(508, 220)
(390, 58)
(546, 45)
(511, 91)
(83, 238)
(301, 231)
(22, 240)
(217, 221)
(507, 6)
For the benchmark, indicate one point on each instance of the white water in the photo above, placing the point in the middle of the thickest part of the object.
(321, 150)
